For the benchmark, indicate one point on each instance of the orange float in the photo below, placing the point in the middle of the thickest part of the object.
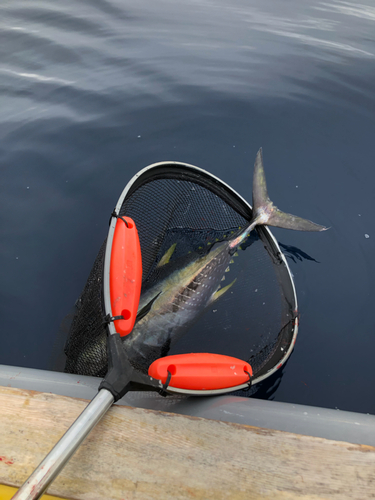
(201, 371)
(125, 275)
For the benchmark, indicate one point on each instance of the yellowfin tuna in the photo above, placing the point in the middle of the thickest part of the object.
(168, 308)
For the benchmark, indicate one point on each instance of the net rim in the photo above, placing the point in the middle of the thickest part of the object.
(266, 232)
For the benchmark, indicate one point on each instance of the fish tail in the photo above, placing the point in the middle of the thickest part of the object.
(265, 212)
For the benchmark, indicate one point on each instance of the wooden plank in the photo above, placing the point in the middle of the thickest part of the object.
(142, 455)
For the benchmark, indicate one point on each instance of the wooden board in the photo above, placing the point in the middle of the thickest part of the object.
(147, 455)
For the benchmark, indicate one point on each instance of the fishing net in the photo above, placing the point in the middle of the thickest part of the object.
(185, 209)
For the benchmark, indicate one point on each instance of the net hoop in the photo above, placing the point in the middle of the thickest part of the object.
(159, 167)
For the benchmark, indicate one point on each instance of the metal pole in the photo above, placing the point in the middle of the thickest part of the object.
(50, 467)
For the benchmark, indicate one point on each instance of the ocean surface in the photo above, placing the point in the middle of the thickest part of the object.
(91, 92)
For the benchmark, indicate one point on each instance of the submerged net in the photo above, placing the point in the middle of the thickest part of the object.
(189, 210)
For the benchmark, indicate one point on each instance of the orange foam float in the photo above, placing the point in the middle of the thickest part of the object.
(201, 371)
(125, 274)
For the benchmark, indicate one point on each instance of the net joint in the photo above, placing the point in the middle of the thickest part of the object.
(117, 216)
(163, 391)
(108, 319)
(249, 381)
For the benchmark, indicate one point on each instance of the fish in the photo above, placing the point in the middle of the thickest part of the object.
(186, 288)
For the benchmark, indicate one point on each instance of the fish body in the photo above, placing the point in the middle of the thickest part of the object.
(175, 303)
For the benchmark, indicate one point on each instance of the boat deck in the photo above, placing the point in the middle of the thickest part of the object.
(142, 454)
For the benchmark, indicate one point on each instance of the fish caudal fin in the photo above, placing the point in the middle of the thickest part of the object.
(260, 194)
(289, 221)
(264, 210)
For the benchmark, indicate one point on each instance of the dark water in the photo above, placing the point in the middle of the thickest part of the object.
(91, 92)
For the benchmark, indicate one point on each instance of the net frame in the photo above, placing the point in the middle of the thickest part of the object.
(163, 170)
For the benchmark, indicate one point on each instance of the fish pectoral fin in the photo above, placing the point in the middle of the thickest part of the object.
(146, 309)
(166, 257)
(221, 291)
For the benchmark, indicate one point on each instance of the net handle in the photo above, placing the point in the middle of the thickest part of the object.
(126, 281)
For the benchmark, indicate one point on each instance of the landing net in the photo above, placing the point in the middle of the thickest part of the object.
(175, 204)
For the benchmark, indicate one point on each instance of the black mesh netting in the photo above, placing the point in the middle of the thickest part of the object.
(172, 205)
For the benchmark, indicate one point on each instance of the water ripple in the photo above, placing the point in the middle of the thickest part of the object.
(40, 78)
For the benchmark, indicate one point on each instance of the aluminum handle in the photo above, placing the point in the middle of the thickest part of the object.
(51, 466)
